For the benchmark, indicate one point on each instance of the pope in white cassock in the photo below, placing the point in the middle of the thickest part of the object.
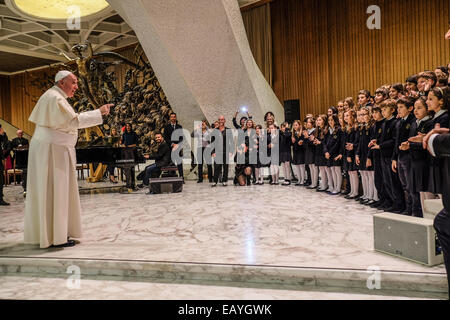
(52, 208)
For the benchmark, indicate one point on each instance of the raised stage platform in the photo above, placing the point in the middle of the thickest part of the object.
(266, 237)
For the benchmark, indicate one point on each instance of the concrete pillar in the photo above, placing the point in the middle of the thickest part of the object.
(201, 56)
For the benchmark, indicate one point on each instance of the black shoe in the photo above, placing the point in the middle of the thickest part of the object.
(3, 202)
(398, 210)
(375, 204)
(394, 210)
(200, 181)
(214, 185)
(345, 193)
(385, 205)
(69, 243)
(365, 202)
(417, 214)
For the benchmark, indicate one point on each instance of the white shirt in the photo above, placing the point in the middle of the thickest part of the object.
(419, 121)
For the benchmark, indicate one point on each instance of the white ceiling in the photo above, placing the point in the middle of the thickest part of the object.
(24, 36)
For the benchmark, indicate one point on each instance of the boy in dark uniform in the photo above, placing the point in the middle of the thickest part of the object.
(395, 202)
(401, 160)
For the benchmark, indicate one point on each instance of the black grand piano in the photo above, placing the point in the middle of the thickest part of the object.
(116, 156)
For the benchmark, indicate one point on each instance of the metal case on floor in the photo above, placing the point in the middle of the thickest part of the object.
(407, 237)
(166, 185)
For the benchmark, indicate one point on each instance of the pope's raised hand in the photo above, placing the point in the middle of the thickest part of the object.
(105, 109)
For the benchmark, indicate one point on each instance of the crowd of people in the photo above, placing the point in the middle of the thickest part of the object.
(7, 158)
(370, 151)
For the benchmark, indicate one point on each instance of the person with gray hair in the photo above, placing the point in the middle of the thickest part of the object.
(20, 143)
(52, 207)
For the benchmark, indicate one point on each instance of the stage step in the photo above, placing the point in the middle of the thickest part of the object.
(402, 284)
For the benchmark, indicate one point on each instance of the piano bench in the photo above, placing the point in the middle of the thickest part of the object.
(169, 171)
(169, 168)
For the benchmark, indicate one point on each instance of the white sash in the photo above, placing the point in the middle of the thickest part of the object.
(57, 137)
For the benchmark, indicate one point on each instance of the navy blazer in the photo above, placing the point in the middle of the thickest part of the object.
(402, 135)
(387, 138)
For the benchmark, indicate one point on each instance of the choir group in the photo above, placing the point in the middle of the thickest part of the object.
(375, 142)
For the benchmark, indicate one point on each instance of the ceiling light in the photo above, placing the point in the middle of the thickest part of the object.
(60, 9)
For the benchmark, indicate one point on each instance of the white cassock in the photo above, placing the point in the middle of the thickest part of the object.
(52, 207)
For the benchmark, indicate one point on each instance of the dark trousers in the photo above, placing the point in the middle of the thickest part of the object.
(200, 153)
(392, 184)
(200, 172)
(218, 168)
(404, 169)
(442, 226)
(150, 171)
(378, 172)
(111, 170)
(24, 180)
(347, 181)
(308, 179)
(180, 169)
(130, 176)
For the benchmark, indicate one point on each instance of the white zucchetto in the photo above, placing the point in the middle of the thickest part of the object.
(61, 75)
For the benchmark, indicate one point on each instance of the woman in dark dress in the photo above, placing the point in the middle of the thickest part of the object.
(259, 168)
(319, 155)
(351, 145)
(310, 151)
(298, 150)
(362, 155)
(285, 152)
(333, 153)
(274, 145)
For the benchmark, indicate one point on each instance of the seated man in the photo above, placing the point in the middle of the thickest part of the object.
(20, 141)
(161, 157)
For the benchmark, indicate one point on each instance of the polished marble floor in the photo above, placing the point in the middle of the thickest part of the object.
(257, 225)
(289, 229)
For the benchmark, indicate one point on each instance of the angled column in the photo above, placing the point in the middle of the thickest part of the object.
(201, 56)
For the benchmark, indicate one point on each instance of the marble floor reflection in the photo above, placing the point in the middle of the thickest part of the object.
(257, 225)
